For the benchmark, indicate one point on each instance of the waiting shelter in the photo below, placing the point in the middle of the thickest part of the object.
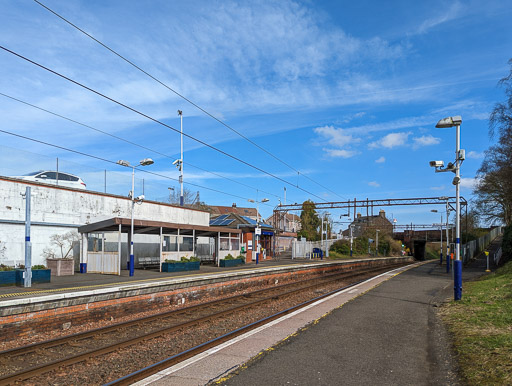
(101, 242)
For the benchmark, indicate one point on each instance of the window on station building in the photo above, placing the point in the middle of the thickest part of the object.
(235, 244)
(95, 243)
(186, 243)
(224, 244)
(170, 244)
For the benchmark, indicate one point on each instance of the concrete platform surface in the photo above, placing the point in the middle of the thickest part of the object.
(384, 331)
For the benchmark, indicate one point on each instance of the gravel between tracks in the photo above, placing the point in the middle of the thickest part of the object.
(112, 366)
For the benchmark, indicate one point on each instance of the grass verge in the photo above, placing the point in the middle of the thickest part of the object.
(481, 324)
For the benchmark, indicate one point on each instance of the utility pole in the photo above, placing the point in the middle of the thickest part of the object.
(180, 113)
(27, 273)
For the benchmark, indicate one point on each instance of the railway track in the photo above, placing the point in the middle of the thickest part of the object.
(23, 363)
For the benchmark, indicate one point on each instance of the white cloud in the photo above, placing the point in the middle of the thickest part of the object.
(468, 183)
(444, 16)
(425, 140)
(391, 140)
(340, 153)
(475, 155)
(374, 183)
(442, 187)
(380, 160)
(336, 137)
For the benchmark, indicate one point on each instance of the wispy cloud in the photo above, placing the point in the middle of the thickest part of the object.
(475, 155)
(374, 183)
(380, 160)
(442, 17)
(336, 137)
(340, 153)
(390, 141)
(425, 140)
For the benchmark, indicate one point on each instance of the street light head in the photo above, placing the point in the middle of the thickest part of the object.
(250, 200)
(437, 164)
(265, 200)
(176, 161)
(146, 162)
(180, 112)
(449, 122)
(123, 163)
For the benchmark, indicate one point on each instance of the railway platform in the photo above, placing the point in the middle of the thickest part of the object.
(383, 331)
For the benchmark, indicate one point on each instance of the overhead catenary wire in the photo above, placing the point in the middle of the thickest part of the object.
(181, 96)
(129, 142)
(115, 163)
(157, 121)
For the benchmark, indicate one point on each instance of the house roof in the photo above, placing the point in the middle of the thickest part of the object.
(220, 210)
(234, 221)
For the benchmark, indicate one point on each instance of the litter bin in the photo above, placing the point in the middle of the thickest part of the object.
(419, 249)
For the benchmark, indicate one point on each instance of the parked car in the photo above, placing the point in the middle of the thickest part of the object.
(57, 178)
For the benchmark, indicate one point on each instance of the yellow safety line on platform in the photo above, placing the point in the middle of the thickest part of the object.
(39, 292)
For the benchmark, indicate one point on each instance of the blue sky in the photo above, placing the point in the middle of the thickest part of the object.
(348, 93)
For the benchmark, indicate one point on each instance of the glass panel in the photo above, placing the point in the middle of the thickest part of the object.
(170, 244)
(94, 244)
(224, 243)
(186, 244)
(235, 244)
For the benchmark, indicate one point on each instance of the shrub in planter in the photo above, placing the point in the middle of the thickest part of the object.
(7, 275)
(230, 261)
(185, 264)
(40, 274)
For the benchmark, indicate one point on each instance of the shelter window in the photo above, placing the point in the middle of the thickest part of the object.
(235, 243)
(95, 243)
(186, 244)
(224, 244)
(170, 244)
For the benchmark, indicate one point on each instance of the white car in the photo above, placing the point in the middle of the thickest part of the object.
(50, 177)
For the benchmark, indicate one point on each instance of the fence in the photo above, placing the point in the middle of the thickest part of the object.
(472, 248)
(304, 249)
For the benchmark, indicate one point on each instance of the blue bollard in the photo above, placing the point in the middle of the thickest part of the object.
(457, 279)
(441, 258)
(448, 263)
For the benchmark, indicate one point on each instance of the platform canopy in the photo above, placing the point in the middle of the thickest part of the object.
(153, 227)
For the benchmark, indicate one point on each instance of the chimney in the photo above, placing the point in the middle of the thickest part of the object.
(234, 205)
(382, 213)
(359, 215)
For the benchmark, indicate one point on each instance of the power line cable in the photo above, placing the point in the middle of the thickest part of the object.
(129, 142)
(115, 163)
(156, 120)
(181, 95)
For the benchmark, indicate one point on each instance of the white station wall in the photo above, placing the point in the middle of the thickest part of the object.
(65, 210)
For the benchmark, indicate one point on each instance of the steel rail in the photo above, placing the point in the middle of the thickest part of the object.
(175, 359)
(44, 368)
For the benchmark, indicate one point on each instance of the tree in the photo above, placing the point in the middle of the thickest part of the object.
(310, 222)
(190, 199)
(494, 190)
(64, 243)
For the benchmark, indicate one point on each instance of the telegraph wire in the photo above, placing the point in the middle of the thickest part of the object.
(155, 120)
(181, 95)
(129, 142)
(115, 163)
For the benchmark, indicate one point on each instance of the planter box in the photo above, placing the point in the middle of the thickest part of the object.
(231, 263)
(180, 266)
(7, 278)
(61, 267)
(38, 276)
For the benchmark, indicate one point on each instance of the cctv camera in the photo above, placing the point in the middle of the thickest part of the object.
(436, 164)
(175, 162)
(140, 198)
(456, 180)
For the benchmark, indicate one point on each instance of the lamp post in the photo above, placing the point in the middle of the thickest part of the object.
(258, 225)
(144, 162)
(377, 242)
(351, 239)
(441, 246)
(179, 162)
(454, 121)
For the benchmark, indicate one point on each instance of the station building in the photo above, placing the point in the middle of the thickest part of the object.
(162, 230)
